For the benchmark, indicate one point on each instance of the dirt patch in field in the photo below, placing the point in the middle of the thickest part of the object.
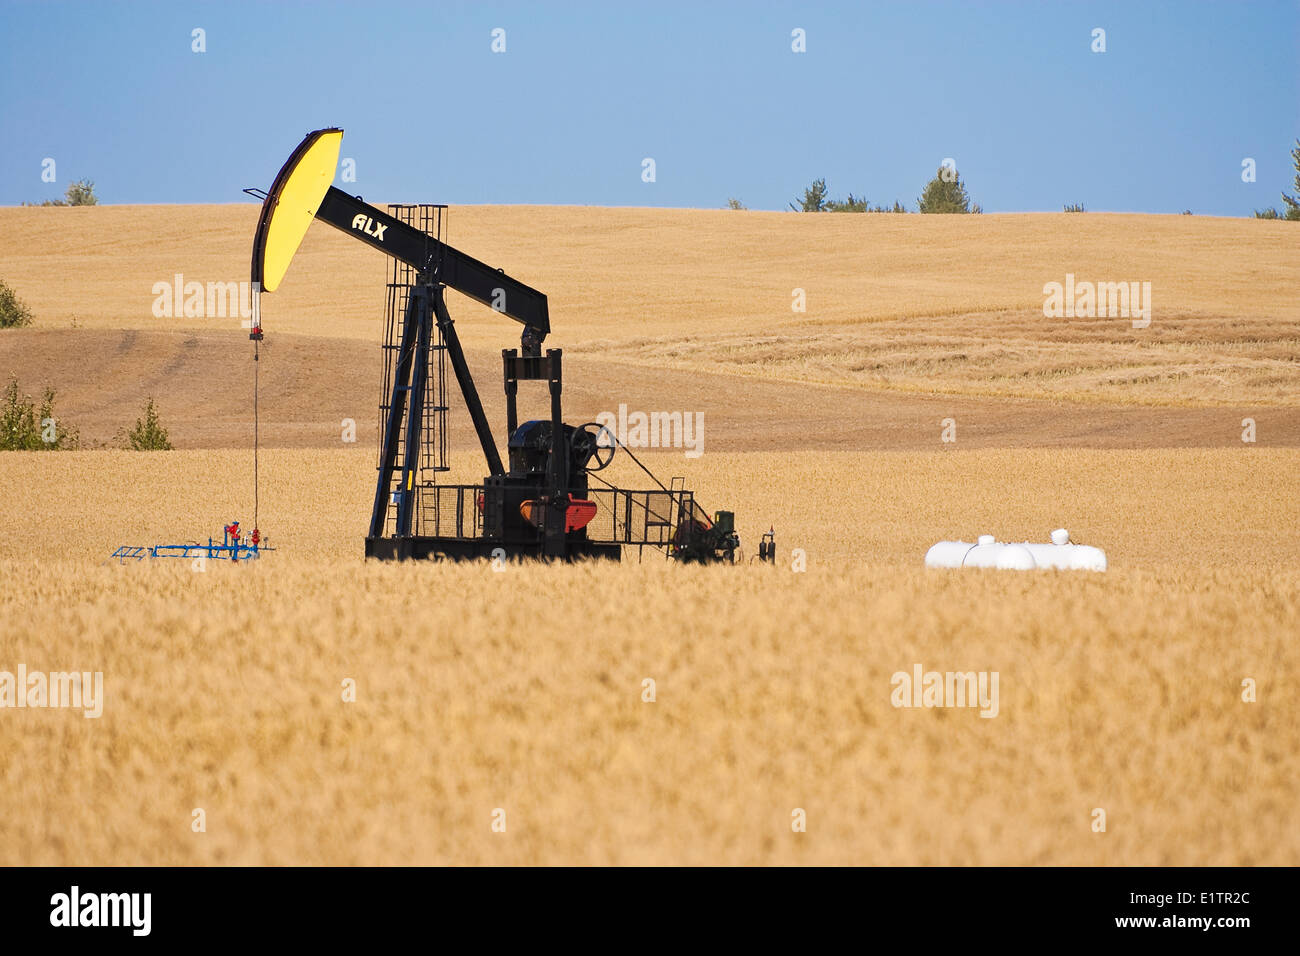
(203, 385)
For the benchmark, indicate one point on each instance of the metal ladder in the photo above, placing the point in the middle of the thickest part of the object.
(428, 218)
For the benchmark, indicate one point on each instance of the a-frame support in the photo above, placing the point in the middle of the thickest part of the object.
(408, 395)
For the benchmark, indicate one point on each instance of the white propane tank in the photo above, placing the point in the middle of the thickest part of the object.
(988, 552)
(947, 554)
(1016, 557)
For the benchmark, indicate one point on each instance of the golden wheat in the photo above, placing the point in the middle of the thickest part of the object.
(523, 689)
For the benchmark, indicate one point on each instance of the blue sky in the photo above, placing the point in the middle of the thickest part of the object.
(712, 92)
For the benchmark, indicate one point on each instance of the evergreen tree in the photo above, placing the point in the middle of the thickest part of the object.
(1293, 202)
(944, 194)
(814, 197)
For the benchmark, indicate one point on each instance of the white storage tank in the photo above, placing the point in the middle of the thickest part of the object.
(988, 552)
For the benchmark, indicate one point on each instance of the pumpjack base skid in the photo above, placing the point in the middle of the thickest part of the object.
(421, 547)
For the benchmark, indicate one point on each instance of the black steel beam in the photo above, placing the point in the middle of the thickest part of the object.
(512, 391)
(558, 463)
(415, 410)
(436, 260)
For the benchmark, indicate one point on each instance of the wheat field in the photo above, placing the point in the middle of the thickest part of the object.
(520, 695)
(522, 690)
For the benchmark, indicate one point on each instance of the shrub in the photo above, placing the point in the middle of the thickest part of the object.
(847, 205)
(82, 193)
(148, 433)
(814, 200)
(21, 429)
(13, 311)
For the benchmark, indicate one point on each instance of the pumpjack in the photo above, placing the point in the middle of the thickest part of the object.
(540, 501)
